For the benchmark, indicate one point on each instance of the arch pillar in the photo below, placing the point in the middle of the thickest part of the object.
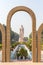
(3, 42)
(31, 13)
(39, 40)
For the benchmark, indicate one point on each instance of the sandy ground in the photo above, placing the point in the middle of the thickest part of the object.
(21, 63)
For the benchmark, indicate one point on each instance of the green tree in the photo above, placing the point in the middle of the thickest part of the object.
(30, 43)
(14, 35)
(23, 52)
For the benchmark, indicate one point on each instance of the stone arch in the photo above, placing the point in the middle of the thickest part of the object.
(3, 42)
(31, 13)
(39, 38)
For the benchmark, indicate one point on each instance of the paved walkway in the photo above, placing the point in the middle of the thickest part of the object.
(21, 63)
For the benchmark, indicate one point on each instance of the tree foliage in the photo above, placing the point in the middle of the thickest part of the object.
(14, 36)
(22, 52)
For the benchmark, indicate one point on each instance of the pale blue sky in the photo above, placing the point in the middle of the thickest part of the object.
(22, 17)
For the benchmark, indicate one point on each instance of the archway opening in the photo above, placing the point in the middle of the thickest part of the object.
(0, 46)
(41, 44)
(31, 13)
(21, 19)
